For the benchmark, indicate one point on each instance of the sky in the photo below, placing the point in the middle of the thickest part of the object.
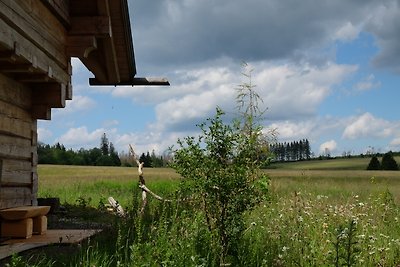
(327, 71)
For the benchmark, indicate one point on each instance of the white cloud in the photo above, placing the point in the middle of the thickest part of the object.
(183, 82)
(328, 147)
(367, 83)
(395, 142)
(44, 134)
(78, 103)
(366, 125)
(288, 130)
(292, 91)
(81, 137)
(348, 32)
(289, 91)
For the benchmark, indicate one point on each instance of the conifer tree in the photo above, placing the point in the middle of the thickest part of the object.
(374, 164)
(388, 162)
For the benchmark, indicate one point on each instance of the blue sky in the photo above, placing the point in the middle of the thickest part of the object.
(328, 71)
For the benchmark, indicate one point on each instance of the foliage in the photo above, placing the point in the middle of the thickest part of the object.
(388, 162)
(374, 164)
(298, 226)
(221, 177)
(105, 155)
(293, 151)
(346, 245)
(104, 145)
(220, 169)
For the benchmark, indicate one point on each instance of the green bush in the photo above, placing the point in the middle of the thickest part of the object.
(374, 164)
(388, 162)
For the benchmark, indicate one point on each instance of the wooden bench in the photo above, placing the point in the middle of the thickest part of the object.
(22, 222)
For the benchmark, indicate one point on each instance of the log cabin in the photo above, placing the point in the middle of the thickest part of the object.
(37, 40)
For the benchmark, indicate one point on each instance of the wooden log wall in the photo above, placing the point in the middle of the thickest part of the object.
(35, 76)
(18, 141)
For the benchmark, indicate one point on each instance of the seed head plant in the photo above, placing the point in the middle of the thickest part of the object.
(221, 171)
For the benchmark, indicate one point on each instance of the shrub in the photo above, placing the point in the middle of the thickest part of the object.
(388, 162)
(221, 177)
(374, 164)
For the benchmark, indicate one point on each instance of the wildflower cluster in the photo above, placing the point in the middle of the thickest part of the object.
(309, 230)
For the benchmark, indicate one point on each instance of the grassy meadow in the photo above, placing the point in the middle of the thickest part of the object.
(318, 214)
(71, 183)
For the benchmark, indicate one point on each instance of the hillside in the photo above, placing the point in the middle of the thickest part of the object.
(331, 164)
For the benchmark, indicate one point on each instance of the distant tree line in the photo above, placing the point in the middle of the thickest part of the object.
(151, 160)
(104, 155)
(388, 163)
(293, 151)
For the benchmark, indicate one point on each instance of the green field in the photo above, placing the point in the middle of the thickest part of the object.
(71, 183)
(322, 213)
(338, 176)
(331, 164)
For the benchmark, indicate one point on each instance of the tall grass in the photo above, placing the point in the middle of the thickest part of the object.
(96, 184)
(313, 218)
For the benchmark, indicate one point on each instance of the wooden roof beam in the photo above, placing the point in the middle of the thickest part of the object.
(111, 63)
(8, 56)
(135, 82)
(81, 46)
(17, 68)
(41, 112)
(50, 94)
(33, 78)
(99, 26)
(110, 55)
(92, 63)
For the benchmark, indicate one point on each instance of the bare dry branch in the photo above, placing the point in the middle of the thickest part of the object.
(142, 182)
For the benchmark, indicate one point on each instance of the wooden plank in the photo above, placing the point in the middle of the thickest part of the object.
(31, 53)
(34, 187)
(12, 147)
(17, 68)
(15, 196)
(41, 112)
(14, 93)
(60, 8)
(99, 26)
(34, 134)
(8, 56)
(93, 64)
(122, 36)
(52, 236)
(134, 82)
(33, 78)
(109, 52)
(69, 92)
(24, 212)
(15, 127)
(17, 173)
(17, 229)
(36, 23)
(111, 63)
(13, 111)
(81, 46)
(50, 94)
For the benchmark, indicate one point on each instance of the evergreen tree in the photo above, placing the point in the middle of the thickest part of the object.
(104, 145)
(142, 158)
(147, 162)
(307, 150)
(114, 156)
(374, 164)
(388, 162)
